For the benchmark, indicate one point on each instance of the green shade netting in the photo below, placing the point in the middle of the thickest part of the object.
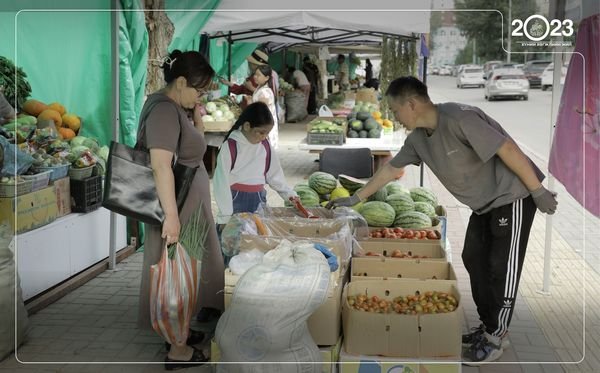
(65, 54)
(277, 63)
(239, 67)
(188, 17)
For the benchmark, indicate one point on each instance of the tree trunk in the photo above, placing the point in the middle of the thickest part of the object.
(160, 32)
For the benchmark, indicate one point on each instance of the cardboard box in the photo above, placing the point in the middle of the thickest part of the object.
(330, 355)
(32, 210)
(372, 268)
(441, 227)
(63, 195)
(324, 324)
(378, 364)
(431, 250)
(399, 335)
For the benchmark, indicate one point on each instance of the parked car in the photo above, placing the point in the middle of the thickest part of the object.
(506, 83)
(533, 71)
(435, 70)
(519, 66)
(489, 66)
(472, 76)
(444, 70)
(548, 76)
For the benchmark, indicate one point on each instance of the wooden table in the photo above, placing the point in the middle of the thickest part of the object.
(381, 148)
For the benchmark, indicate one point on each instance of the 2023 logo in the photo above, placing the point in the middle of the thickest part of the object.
(536, 27)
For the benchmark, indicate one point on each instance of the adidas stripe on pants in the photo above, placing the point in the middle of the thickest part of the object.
(493, 254)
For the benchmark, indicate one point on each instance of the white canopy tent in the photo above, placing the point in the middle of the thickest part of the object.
(281, 22)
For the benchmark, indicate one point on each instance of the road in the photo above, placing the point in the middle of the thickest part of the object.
(528, 123)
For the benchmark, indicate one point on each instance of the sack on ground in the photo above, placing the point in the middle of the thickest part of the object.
(7, 297)
(295, 103)
(266, 321)
(173, 294)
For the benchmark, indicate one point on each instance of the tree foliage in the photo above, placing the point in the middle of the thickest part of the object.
(486, 26)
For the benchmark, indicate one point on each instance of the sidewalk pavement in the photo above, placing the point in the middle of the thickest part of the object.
(97, 322)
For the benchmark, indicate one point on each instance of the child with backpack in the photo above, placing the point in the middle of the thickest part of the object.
(246, 163)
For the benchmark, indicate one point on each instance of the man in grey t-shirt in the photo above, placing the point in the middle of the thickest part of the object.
(480, 164)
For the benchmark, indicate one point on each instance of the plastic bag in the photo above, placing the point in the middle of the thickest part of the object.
(266, 321)
(324, 111)
(243, 261)
(242, 222)
(173, 294)
(10, 166)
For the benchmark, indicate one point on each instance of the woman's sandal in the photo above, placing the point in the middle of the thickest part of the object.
(195, 337)
(197, 359)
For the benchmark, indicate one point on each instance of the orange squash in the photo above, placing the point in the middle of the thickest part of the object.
(57, 107)
(34, 107)
(72, 121)
(379, 120)
(66, 133)
(388, 123)
(376, 114)
(51, 114)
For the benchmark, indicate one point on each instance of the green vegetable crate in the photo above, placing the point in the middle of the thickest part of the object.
(327, 131)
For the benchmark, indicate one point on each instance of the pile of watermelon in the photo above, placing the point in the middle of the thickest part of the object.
(396, 206)
(362, 125)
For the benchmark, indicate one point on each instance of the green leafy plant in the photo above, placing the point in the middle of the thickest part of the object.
(7, 80)
(193, 235)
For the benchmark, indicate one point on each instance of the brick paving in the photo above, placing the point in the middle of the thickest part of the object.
(97, 322)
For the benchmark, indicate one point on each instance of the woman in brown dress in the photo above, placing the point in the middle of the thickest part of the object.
(170, 132)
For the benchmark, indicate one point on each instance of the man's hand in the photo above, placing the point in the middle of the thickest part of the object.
(345, 201)
(545, 200)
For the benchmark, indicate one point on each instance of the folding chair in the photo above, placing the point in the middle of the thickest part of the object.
(356, 162)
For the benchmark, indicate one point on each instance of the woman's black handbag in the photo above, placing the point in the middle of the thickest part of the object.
(129, 186)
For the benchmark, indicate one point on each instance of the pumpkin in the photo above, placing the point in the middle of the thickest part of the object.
(51, 114)
(376, 114)
(71, 121)
(66, 133)
(58, 107)
(388, 123)
(34, 107)
(379, 120)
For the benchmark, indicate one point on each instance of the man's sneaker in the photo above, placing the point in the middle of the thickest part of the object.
(482, 351)
(472, 337)
(476, 334)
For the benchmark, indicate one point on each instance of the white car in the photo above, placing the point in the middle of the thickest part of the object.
(472, 76)
(506, 83)
(548, 76)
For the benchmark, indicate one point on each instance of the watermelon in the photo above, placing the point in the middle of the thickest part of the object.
(351, 183)
(378, 214)
(421, 194)
(307, 195)
(426, 209)
(412, 219)
(401, 202)
(322, 182)
(394, 187)
(379, 195)
(363, 115)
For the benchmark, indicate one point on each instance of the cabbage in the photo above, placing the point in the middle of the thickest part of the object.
(77, 140)
(229, 116)
(218, 114)
(211, 107)
(208, 118)
(224, 108)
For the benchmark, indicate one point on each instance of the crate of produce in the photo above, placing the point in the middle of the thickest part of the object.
(58, 172)
(81, 173)
(8, 190)
(326, 131)
(86, 194)
(39, 180)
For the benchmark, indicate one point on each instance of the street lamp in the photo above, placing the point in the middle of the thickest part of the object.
(509, 29)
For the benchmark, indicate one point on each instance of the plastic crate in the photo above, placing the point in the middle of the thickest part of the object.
(325, 139)
(8, 190)
(81, 173)
(39, 180)
(58, 172)
(86, 194)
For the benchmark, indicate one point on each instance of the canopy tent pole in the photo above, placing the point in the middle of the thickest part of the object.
(114, 30)
(422, 171)
(229, 42)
